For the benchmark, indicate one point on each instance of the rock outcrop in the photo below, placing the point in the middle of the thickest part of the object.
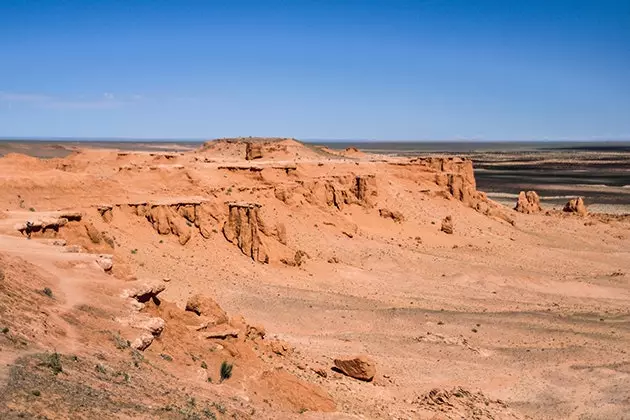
(207, 308)
(177, 216)
(447, 225)
(241, 229)
(576, 205)
(253, 151)
(359, 367)
(528, 202)
(395, 215)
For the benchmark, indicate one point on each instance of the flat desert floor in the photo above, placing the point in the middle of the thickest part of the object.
(467, 308)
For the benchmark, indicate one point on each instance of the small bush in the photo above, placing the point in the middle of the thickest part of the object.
(220, 408)
(209, 414)
(204, 365)
(120, 342)
(134, 251)
(48, 292)
(226, 371)
(36, 393)
(54, 363)
(31, 209)
(166, 357)
(5, 330)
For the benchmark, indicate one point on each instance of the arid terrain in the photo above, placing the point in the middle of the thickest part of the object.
(129, 277)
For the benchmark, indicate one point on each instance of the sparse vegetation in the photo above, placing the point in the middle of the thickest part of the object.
(303, 410)
(100, 368)
(209, 414)
(226, 371)
(204, 365)
(220, 408)
(31, 209)
(120, 342)
(5, 330)
(36, 393)
(134, 251)
(210, 379)
(53, 361)
(48, 292)
(166, 357)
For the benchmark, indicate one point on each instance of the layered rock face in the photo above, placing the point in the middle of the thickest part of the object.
(179, 217)
(528, 202)
(253, 151)
(241, 229)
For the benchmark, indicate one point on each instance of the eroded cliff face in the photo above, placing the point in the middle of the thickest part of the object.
(242, 229)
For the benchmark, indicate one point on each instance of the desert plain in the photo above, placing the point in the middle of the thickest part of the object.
(129, 276)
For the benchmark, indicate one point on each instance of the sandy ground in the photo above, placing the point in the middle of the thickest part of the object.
(526, 319)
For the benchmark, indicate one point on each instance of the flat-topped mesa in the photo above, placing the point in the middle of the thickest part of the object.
(242, 229)
(252, 148)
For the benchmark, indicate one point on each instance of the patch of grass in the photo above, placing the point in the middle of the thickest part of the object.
(36, 393)
(220, 408)
(48, 292)
(226, 371)
(53, 361)
(120, 342)
(209, 413)
(204, 365)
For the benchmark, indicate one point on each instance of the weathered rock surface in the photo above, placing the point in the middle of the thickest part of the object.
(241, 229)
(395, 215)
(144, 291)
(143, 341)
(253, 151)
(447, 225)
(208, 308)
(93, 233)
(576, 205)
(105, 262)
(528, 202)
(359, 367)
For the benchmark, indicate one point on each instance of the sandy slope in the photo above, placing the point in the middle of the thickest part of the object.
(533, 315)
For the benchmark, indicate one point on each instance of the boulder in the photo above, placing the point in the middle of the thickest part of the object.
(143, 292)
(143, 341)
(105, 262)
(359, 367)
(93, 233)
(576, 205)
(253, 151)
(447, 225)
(395, 215)
(204, 306)
(528, 202)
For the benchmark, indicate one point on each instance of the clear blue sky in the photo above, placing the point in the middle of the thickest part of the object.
(390, 69)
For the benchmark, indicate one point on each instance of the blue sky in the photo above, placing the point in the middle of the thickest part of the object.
(347, 69)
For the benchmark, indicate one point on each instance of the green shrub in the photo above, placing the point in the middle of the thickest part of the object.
(226, 371)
